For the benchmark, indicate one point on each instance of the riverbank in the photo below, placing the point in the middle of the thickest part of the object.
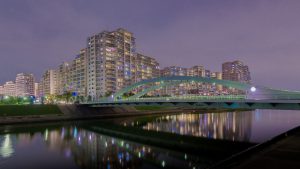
(9, 120)
(28, 110)
(17, 114)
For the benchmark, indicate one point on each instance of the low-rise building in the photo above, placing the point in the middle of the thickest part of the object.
(9, 89)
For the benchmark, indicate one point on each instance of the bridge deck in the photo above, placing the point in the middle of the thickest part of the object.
(231, 104)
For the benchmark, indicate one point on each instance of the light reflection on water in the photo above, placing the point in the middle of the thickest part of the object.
(6, 149)
(229, 126)
(250, 126)
(74, 147)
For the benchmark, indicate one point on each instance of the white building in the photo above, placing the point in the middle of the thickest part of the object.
(110, 62)
(24, 84)
(9, 89)
(1, 90)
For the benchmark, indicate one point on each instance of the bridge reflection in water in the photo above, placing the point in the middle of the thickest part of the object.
(249, 126)
(235, 126)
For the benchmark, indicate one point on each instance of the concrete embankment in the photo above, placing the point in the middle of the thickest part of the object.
(283, 151)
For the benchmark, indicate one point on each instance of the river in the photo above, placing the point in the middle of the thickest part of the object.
(74, 145)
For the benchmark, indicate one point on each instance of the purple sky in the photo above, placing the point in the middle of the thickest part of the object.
(36, 35)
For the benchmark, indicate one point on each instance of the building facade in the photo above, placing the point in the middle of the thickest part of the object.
(36, 89)
(144, 67)
(77, 75)
(48, 83)
(110, 62)
(1, 90)
(197, 70)
(236, 71)
(178, 89)
(173, 71)
(9, 89)
(63, 78)
(24, 84)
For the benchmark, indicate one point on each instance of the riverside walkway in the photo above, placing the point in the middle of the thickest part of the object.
(283, 154)
(280, 153)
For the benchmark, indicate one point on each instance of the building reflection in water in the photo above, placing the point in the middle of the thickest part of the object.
(92, 150)
(234, 126)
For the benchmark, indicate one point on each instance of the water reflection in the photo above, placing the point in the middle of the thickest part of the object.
(88, 150)
(229, 126)
(92, 150)
(6, 149)
(251, 126)
(71, 146)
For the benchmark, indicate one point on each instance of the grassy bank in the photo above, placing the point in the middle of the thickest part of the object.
(26, 110)
(151, 108)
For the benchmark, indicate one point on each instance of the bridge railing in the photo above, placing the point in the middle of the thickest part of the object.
(170, 99)
(193, 98)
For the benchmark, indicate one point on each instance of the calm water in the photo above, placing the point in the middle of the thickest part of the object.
(71, 146)
(251, 126)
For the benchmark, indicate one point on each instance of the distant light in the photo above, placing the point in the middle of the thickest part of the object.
(253, 89)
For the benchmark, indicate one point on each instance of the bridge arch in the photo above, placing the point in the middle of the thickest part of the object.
(173, 80)
(252, 91)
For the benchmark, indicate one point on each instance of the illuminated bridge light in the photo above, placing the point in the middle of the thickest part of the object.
(253, 89)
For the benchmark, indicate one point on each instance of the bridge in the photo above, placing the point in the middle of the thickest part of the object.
(253, 96)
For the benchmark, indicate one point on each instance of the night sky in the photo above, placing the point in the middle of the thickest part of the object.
(36, 35)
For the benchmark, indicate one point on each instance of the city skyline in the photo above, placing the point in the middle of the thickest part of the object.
(268, 43)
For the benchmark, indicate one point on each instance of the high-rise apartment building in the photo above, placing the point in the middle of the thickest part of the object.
(110, 62)
(24, 84)
(63, 78)
(236, 71)
(77, 74)
(36, 89)
(144, 67)
(48, 84)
